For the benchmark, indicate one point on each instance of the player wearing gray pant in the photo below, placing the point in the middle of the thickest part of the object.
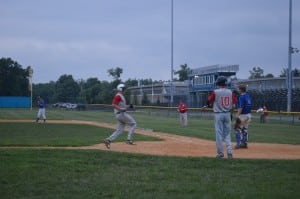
(123, 119)
(120, 107)
(223, 101)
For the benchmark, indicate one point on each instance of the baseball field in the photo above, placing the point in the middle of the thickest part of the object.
(65, 158)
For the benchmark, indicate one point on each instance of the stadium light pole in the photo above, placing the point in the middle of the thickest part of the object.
(171, 83)
(30, 71)
(289, 71)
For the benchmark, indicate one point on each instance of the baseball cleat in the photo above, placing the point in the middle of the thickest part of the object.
(130, 142)
(220, 155)
(243, 145)
(107, 143)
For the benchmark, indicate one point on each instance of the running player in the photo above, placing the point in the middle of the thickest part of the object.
(123, 118)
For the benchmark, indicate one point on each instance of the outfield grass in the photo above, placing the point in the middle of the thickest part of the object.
(198, 127)
(29, 173)
(31, 134)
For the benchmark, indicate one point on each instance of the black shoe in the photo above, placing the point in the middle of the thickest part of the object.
(107, 143)
(220, 155)
(130, 142)
(243, 146)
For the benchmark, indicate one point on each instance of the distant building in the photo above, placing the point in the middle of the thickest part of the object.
(202, 81)
(158, 93)
(270, 92)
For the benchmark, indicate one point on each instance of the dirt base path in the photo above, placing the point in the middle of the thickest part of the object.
(175, 145)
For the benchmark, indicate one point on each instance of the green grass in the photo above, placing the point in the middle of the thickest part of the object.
(31, 134)
(270, 132)
(45, 173)
(28, 173)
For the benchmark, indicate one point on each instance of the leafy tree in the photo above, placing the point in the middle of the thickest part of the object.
(295, 72)
(131, 82)
(115, 73)
(47, 91)
(256, 73)
(92, 90)
(183, 72)
(269, 75)
(67, 89)
(13, 79)
(106, 93)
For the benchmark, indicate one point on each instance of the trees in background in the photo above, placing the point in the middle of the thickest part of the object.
(14, 82)
(295, 72)
(66, 89)
(183, 72)
(258, 72)
(13, 78)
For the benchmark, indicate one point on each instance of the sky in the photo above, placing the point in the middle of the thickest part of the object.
(86, 38)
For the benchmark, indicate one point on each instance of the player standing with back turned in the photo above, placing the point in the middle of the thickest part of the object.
(223, 100)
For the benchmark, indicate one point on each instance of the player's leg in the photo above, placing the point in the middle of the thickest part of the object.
(219, 135)
(238, 137)
(181, 119)
(226, 133)
(38, 115)
(132, 125)
(119, 130)
(185, 121)
(44, 114)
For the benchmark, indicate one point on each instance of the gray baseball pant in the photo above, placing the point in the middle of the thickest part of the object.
(123, 119)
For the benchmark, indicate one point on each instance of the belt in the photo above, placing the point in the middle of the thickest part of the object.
(120, 112)
(223, 112)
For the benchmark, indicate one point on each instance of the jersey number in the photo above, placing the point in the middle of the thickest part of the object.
(225, 101)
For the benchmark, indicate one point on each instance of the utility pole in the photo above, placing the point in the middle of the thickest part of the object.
(171, 82)
(289, 71)
(30, 71)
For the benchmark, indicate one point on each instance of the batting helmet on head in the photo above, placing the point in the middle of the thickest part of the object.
(121, 87)
(221, 81)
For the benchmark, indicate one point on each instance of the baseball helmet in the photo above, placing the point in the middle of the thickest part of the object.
(221, 81)
(121, 87)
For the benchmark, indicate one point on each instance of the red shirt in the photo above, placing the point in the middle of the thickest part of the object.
(117, 99)
(212, 97)
(182, 108)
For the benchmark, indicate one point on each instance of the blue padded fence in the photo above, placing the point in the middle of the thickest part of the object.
(15, 102)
